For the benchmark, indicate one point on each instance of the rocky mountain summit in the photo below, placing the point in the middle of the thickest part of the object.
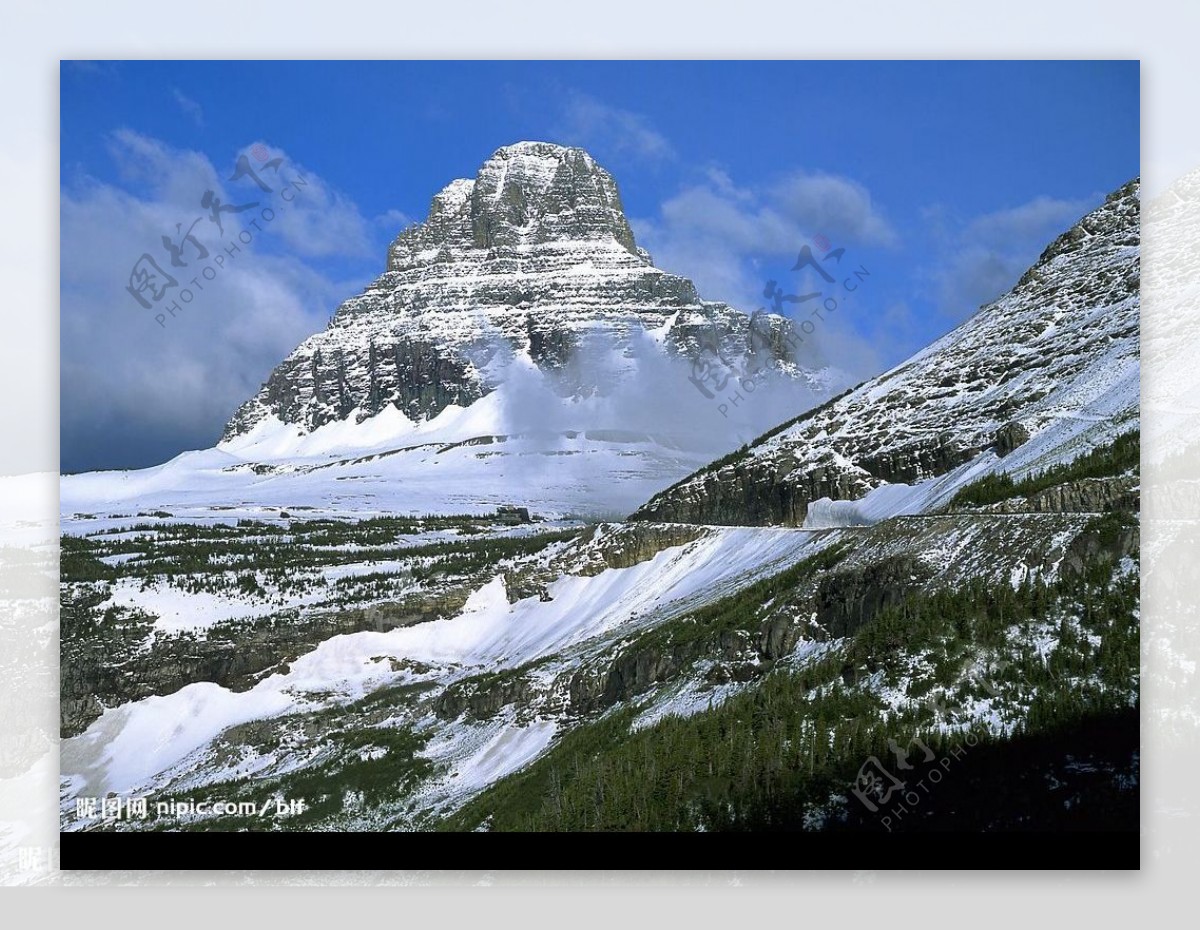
(1039, 376)
(531, 263)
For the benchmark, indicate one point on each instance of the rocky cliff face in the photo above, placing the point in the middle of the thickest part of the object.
(531, 261)
(1040, 375)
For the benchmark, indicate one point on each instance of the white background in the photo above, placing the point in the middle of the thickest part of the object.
(1162, 35)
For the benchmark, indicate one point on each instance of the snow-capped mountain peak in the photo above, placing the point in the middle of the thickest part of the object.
(530, 263)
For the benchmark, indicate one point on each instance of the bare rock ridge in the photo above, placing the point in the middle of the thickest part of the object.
(1042, 374)
(530, 261)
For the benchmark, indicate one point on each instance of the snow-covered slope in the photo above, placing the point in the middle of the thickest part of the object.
(1039, 376)
(1170, 327)
(596, 473)
(149, 742)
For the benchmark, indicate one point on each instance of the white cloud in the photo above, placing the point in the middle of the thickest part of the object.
(1039, 217)
(611, 131)
(189, 106)
(721, 234)
(836, 207)
(978, 260)
(99, 68)
(319, 223)
(393, 221)
(174, 178)
(127, 379)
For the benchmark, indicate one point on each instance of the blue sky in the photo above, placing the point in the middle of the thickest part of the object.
(946, 179)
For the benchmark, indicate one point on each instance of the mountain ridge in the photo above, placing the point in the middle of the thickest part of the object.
(1026, 340)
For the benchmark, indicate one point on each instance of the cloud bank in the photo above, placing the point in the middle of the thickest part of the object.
(981, 258)
(136, 391)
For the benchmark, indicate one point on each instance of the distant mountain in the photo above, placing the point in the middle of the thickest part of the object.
(1041, 375)
(531, 263)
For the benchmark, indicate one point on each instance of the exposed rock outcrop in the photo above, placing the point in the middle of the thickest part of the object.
(1051, 364)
